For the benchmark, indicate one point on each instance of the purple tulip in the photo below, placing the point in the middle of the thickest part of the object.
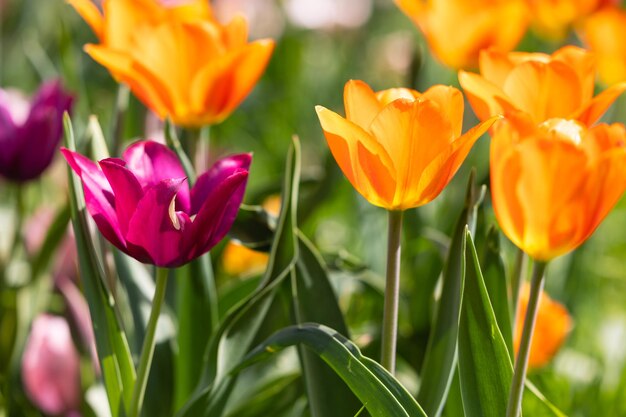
(143, 205)
(51, 367)
(30, 137)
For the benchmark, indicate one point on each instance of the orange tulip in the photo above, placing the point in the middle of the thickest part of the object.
(456, 30)
(542, 86)
(238, 260)
(551, 328)
(553, 184)
(399, 148)
(553, 19)
(604, 33)
(190, 69)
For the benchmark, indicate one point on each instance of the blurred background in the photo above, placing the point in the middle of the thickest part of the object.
(320, 45)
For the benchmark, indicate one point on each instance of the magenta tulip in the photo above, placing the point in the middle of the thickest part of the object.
(144, 206)
(30, 134)
(51, 367)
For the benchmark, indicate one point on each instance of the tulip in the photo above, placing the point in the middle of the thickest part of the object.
(554, 183)
(144, 206)
(542, 86)
(399, 148)
(51, 366)
(553, 19)
(194, 71)
(30, 133)
(551, 328)
(603, 32)
(456, 30)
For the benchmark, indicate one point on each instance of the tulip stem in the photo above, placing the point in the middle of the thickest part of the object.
(392, 292)
(514, 407)
(147, 350)
(518, 278)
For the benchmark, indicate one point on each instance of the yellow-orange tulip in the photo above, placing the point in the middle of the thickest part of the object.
(238, 260)
(190, 69)
(542, 86)
(551, 328)
(456, 30)
(604, 33)
(553, 184)
(399, 148)
(553, 19)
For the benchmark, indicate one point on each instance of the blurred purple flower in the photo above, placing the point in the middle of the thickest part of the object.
(51, 366)
(143, 205)
(30, 135)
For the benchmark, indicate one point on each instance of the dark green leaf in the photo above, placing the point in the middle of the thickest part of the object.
(485, 369)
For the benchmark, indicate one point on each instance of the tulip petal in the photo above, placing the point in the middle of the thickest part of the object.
(583, 63)
(600, 104)
(151, 162)
(361, 103)
(451, 104)
(153, 235)
(218, 173)
(90, 14)
(126, 189)
(370, 170)
(122, 18)
(235, 33)
(486, 98)
(217, 214)
(99, 197)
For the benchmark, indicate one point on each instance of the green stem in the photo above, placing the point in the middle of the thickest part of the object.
(519, 276)
(514, 407)
(392, 292)
(147, 349)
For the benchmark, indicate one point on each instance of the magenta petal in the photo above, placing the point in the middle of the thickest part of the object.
(152, 162)
(98, 197)
(8, 139)
(151, 231)
(126, 189)
(217, 214)
(211, 179)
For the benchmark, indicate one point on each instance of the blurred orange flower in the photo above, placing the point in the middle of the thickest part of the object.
(553, 184)
(551, 328)
(181, 64)
(604, 32)
(542, 86)
(399, 148)
(456, 30)
(553, 19)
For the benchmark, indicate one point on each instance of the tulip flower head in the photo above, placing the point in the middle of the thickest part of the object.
(553, 184)
(399, 148)
(551, 328)
(542, 86)
(603, 33)
(144, 206)
(30, 132)
(193, 70)
(456, 30)
(51, 366)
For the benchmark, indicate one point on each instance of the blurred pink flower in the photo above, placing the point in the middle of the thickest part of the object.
(265, 18)
(51, 368)
(328, 14)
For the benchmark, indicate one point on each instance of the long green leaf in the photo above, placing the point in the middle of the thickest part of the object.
(236, 333)
(485, 369)
(314, 300)
(441, 351)
(379, 391)
(537, 405)
(115, 359)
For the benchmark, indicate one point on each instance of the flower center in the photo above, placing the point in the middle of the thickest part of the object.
(571, 130)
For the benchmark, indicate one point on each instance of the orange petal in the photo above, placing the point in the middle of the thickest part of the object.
(451, 104)
(90, 14)
(123, 18)
(385, 97)
(363, 161)
(148, 87)
(361, 103)
(599, 104)
(235, 33)
(482, 95)
(583, 63)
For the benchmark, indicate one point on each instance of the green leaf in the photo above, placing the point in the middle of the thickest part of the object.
(237, 331)
(379, 391)
(537, 402)
(254, 228)
(314, 300)
(485, 369)
(115, 359)
(494, 273)
(441, 351)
